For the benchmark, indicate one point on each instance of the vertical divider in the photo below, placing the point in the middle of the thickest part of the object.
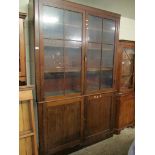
(64, 85)
(101, 58)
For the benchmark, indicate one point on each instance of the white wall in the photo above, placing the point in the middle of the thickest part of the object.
(127, 29)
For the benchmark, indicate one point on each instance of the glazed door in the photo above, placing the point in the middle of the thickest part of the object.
(127, 68)
(98, 116)
(62, 38)
(100, 53)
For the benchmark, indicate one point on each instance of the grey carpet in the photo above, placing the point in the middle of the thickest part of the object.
(116, 145)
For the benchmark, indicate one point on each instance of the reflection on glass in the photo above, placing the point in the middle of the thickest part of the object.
(108, 31)
(94, 29)
(73, 25)
(93, 56)
(72, 82)
(93, 80)
(53, 84)
(126, 81)
(53, 56)
(107, 55)
(106, 79)
(128, 53)
(72, 54)
(127, 67)
(52, 22)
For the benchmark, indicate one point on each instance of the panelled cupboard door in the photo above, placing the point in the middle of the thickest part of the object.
(100, 50)
(126, 110)
(63, 122)
(62, 43)
(98, 115)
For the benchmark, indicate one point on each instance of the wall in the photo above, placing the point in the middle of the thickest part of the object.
(127, 29)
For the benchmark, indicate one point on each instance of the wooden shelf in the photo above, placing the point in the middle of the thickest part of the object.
(93, 69)
(61, 43)
(107, 69)
(100, 30)
(98, 69)
(65, 70)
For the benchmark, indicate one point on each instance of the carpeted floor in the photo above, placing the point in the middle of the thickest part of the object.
(116, 145)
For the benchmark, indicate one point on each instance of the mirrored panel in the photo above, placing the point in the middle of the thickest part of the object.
(72, 82)
(54, 84)
(52, 20)
(107, 55)
(108, 31)
(94, 29)
(93, 78)
(93, 56)
(106, 79)
(53, 55)
(73, 25)
(72, 55)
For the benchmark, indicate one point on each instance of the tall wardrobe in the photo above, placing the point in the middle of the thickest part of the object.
(74, 55)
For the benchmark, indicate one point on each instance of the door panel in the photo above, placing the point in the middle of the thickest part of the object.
(98, 114)
(126, 108)
(63, 123)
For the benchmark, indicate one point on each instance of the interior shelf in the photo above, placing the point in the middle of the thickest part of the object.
(65, 70)
(98, 69)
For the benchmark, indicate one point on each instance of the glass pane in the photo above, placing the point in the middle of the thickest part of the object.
(127, 67)
(94, 29)
(73, 25)
(54, 84)
(52, 22)
(93, 80)
(128, 54)
(107, 55)
(126, 81)
(93, 56)
(106, 79)
(73, 55)
(72, 82)
(108, 31)
(53, 56)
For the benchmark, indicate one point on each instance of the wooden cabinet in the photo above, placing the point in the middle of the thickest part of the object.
(27, 131)
(125, 110)
(22, 55)
(74, 48)
(125, 97)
